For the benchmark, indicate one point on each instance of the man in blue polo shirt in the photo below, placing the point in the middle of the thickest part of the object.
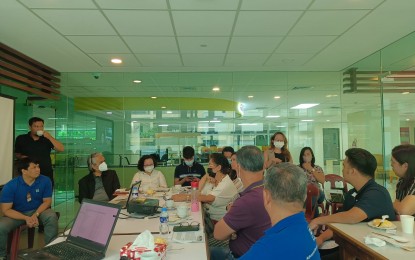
(285, 190)
(26, 199)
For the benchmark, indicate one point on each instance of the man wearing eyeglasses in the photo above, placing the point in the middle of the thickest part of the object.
(101, 183)
(26, 199)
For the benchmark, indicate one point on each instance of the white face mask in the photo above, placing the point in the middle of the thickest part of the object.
(149, 168)
(189, 163)
(278, 144)
(103, 167)
(307, 159)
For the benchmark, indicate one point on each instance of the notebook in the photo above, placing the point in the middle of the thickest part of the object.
(88, 238)
(124, 203)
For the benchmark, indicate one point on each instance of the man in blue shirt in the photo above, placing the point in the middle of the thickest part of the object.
(285, 190)
(26, 199)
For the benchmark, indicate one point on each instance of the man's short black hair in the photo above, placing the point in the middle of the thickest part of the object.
(24, 163)
(228, 149)
(188, 152)
(35, 119)
(362, 160)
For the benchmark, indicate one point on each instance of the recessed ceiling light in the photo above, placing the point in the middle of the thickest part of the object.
(109, 113)
(137, 81)
(116, 61)
(163, 107)
(215, 88)
(169, 112)
(331, 95)
(304, 106)
(271, 116)
(163, 125)
(250, 96)
(319, 112)
(407, 119)
(328, 120)
(153, 97)
(277, 97)
(405, 93)
(307, 120)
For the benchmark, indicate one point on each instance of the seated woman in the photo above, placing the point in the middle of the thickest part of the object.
(315, 174)
(149, 177)
(216, 188)
(403, 164)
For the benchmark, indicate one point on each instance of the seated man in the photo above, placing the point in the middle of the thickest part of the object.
(367, 201)
(26, 199)
(101, 183)
(285, 190)
(189, 169)
(246, 219)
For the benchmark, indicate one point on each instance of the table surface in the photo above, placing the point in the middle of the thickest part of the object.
(358, 232)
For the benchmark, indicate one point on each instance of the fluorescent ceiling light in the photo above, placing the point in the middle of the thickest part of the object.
(137, 81)
(307, 120)
(169, 112)
(280, 126)
(271, 116)
(163, 107)
(109, 113)
(163, 125)
(248, 124)
(116, 61)
(405, 93)
(205, 127)
(153, 97)
(213, 121)
(277, 97)
(250, 96)
(305, 106)
(216, 89)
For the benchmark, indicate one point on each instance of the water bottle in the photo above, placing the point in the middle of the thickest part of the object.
(164, 222)
(194, 197)
(134, 193)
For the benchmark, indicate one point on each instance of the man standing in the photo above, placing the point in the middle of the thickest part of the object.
(101, 183)
(189, 169)
(247, 219)
(285, 190)
(26, 199)
(37, 144)
(367, 201)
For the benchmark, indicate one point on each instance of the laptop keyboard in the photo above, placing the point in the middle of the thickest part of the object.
(69, 251)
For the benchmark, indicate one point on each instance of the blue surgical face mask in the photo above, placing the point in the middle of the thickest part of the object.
(189, 163)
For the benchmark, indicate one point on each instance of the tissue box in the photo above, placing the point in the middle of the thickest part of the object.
(134, 253)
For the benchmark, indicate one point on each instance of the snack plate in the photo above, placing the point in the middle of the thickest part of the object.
(370, 223)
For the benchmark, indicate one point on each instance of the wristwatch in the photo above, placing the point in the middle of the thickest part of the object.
(37, 214)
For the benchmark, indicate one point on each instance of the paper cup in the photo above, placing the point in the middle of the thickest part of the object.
(407, 223)
(169, 203)
(182, 211)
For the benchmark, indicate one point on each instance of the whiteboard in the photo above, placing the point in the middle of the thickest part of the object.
(6, 138)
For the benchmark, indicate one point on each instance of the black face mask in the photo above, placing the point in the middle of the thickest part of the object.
(211, 173)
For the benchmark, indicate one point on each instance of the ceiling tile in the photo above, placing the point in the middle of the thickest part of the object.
(207, 60)
(78, 4)
(315, 22)
(344, 4)
(203, 23)
(160, 60)
(275, 5)
(244, 60)
(141, 44)
(254, 44)
(99, 44)
(304, 44)
(137, 22)
(204, 5)
(128, 60)
(131, 4)
(265, 23)
(279, 59)
(203, 44)
(73, 22)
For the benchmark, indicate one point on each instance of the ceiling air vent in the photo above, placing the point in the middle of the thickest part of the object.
(301, 87)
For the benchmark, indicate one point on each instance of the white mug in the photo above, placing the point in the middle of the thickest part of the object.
(182, 211)
(39, 132)
(169, 203)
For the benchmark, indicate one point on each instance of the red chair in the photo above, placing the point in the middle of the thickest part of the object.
(14, 238)
(332, 207)
(310, 209)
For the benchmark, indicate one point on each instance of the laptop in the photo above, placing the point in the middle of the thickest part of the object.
(124, 203)
(89, 237)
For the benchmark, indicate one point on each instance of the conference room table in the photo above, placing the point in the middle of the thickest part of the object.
(351, 241)
(127, 230)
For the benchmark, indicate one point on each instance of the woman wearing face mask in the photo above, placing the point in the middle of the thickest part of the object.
(403, 164)
(278, 152)
(149, 177)
(101, 183)
(216, 188)
(314, 172)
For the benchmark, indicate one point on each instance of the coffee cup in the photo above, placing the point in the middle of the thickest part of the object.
(407, 223)
(182, 211)
(169, 203)
(39, 132)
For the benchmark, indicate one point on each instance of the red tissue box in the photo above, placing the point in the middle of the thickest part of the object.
(134, 253)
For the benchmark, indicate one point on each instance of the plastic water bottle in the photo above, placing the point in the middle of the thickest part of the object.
(164, 222)
(134, 193)
(194, 197)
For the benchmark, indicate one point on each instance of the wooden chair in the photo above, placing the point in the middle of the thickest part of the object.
(14, 238)
(332, 207)
(310, 209)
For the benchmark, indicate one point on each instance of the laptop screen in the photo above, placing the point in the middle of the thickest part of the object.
(95, 222)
